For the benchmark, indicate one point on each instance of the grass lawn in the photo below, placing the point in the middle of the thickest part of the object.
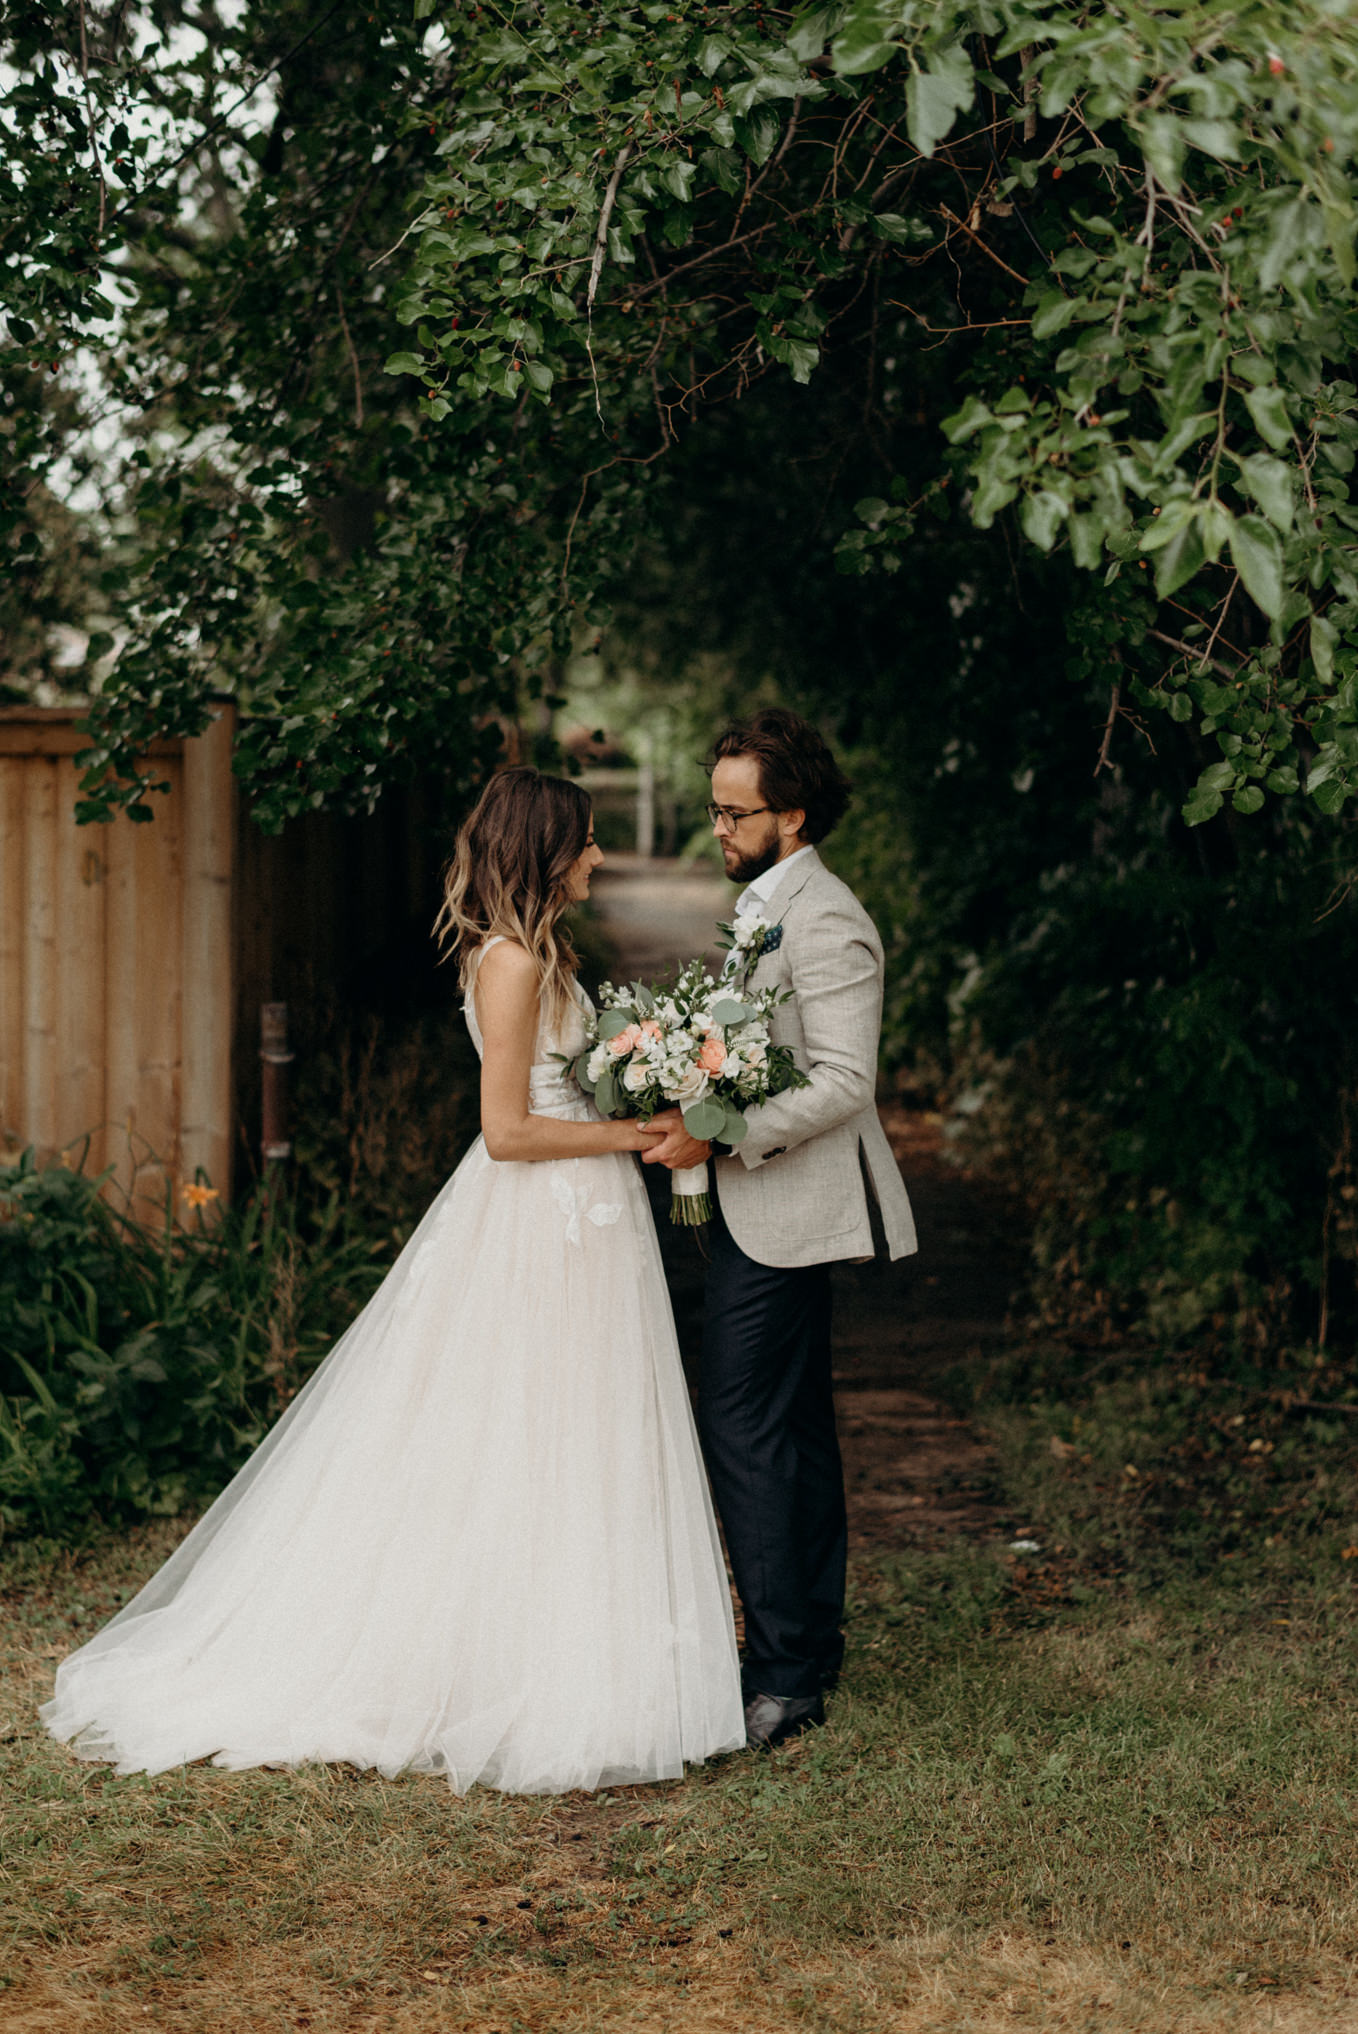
(1110, 1785)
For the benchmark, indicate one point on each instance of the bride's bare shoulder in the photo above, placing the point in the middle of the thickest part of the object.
(504, 964)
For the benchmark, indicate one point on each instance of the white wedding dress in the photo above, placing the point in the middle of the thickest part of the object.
(479, 1542)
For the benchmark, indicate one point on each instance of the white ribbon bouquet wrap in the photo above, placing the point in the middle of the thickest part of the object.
(695, 1044)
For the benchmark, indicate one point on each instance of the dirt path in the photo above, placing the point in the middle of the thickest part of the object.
(915, 1474)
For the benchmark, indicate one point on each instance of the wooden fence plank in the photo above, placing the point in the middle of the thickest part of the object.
(79, 976)
(142, 1002)
(209, 819)
(12, 899)
(40, 957)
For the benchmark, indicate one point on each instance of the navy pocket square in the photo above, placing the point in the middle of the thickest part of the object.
(771, 941)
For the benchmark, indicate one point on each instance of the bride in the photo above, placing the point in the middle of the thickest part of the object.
(479, 1542)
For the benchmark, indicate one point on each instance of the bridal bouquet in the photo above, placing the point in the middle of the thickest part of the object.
(694, 1044)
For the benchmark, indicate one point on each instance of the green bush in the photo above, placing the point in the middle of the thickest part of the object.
(139, 1367)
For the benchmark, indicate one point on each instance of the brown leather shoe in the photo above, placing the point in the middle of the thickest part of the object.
(770, 1719)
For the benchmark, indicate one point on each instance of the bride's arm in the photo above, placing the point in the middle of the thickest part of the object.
(506, 994)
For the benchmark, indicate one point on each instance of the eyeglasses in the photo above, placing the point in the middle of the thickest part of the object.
(732, 816)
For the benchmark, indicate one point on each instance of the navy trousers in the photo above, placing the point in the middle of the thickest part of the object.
(767, 1420)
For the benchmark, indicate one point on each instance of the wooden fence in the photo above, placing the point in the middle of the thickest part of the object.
(134, 958)
(116, 962)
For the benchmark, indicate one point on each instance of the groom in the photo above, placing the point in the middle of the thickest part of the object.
(789, 1202)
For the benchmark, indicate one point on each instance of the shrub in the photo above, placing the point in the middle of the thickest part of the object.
(138, 1368)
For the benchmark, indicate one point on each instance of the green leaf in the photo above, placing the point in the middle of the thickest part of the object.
(728, 1012)
(860, 51)
(1270, 482)
(1339, 223)
(935, 97)
(1258, 558)
(900, 231)
(705, 1119)
(614, 1022)
(1201, 805)
(964, 423)
(404, 363)
(810, 33)
(1086, 540)
(1041, 516)
(1162, 142)
(1268, 408)
(1248, 799)
(736, 1127)
(1213, 137)
(1179, 560)
(758, 133)
(606, 1097)
(1054, 312)
(993, 493)
(1324, 637)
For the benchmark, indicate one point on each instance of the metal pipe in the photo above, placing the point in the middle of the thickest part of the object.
(275, 1058)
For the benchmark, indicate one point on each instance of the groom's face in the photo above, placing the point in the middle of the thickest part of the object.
(754, 842)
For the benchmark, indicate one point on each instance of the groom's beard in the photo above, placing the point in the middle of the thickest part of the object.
(744, 868)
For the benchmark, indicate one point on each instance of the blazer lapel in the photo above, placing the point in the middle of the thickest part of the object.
(784, 900)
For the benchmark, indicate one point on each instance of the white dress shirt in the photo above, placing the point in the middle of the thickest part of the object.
(761, 890)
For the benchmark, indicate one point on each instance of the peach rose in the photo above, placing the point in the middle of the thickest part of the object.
(625, 1040)
(650, 1029)
(713, 1054)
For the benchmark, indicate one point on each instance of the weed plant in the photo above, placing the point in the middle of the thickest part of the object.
(139, 1366)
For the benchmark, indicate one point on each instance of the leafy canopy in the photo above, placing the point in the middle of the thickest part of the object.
(1130, 227)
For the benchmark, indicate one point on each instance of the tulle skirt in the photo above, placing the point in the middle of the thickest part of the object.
(478, 1543)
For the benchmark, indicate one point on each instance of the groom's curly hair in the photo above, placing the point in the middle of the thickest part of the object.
(796, 769)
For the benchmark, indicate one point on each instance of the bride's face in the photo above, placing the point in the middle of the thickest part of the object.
(580, 870)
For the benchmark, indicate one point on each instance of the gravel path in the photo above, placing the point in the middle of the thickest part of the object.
(915, 1473)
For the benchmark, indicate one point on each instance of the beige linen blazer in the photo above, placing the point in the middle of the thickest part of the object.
(796, 1190)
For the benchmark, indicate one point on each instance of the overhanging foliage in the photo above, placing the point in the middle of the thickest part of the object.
(1131, 226)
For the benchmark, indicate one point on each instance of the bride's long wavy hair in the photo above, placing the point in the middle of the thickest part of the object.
(508, 876)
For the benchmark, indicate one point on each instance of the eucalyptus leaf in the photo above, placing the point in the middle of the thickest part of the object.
(612, 1023)
(705, 1120)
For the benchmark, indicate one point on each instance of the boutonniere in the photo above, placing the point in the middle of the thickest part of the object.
(748, 939)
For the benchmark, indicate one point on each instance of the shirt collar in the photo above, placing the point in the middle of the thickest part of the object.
(762, 888)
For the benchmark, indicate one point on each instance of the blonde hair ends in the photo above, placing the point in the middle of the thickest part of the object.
(507, 877)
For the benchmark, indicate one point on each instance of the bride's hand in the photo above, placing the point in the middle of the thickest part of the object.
(635, 1136)
(676, 1148)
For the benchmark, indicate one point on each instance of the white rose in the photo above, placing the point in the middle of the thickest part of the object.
(598, 1060)
(687, 1085)
(636, 1075)
(754, 1054)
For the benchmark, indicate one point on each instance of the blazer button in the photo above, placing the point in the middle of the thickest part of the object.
(776, 1152)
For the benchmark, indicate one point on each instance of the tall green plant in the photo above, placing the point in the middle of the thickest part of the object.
(139, 1367)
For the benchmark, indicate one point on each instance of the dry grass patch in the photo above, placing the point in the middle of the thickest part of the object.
(1130, 1816)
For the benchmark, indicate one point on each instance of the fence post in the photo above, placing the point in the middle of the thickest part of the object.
(275, 1058)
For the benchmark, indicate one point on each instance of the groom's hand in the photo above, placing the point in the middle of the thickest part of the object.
(676, 1148)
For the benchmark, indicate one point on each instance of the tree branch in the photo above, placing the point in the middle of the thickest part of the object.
(217, 125)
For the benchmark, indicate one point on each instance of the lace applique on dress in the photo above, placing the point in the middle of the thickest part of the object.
(574, 1202)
